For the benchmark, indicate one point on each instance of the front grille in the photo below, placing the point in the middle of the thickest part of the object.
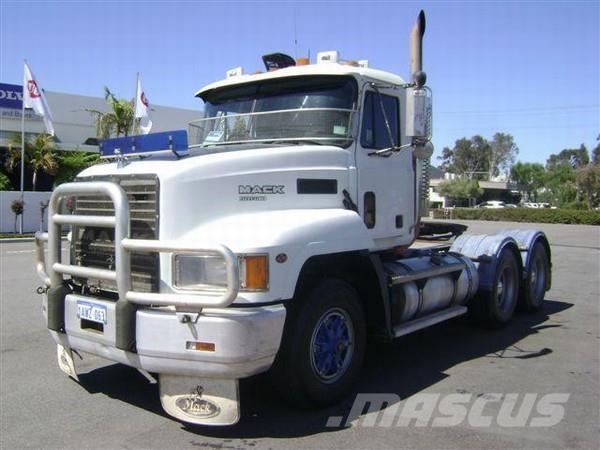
(95, 246)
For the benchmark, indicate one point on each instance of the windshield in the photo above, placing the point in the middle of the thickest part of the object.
(316, 109)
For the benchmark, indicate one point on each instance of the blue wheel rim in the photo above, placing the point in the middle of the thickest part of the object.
(332, 345)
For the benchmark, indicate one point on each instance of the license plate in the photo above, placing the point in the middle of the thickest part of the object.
(91, 311)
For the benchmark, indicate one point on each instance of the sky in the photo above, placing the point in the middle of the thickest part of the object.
(530, 69)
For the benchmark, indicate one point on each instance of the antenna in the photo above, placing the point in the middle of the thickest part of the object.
(295, 36)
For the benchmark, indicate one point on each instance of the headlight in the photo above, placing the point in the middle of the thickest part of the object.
(209, 272)
(199, 272)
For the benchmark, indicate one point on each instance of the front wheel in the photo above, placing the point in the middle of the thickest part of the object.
(323, 345)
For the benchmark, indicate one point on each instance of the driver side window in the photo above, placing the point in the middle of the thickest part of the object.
(374, 132)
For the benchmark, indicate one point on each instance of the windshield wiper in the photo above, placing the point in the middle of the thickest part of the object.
(303, 141)
(284, 141)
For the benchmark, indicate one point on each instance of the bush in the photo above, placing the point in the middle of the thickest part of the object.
(576, 205)
(4, 182)
(546, 215)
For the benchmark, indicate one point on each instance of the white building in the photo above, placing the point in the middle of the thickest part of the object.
(75, 129)
(74, 126)
(498, 189)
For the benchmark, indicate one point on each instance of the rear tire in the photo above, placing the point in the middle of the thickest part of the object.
(323, 345)
(496, 307)
(534, 288)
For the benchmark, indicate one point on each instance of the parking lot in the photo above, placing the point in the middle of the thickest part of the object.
(553, 351)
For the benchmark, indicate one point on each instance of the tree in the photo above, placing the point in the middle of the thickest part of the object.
(588, 180)
(13, 155)
(529, 176)
(575, 157)
(39, 155)
(119, 121)
(596, 152)
(17, 207)
(43, 158)
(73, 162)
(4, 182)
(502, 155)
(468, 157)
(560, 182)
(460, 188)
(239, 132)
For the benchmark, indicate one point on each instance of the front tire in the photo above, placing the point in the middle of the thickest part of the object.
(323, 345)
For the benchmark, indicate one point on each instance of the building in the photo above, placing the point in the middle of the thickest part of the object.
(74, 125)
(497, 189)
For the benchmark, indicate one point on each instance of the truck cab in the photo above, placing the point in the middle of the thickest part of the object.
(274, 235)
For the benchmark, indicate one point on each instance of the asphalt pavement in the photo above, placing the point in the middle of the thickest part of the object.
(555, 350)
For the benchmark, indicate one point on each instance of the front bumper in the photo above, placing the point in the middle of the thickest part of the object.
(246, 340)
(129, 300)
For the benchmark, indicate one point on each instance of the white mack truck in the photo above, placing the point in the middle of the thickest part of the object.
(278, 234)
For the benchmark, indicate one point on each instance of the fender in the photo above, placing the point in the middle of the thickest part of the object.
(299, 233)
(485, 251)
(526, 239)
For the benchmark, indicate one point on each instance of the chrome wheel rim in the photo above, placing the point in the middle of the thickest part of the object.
(332, 345)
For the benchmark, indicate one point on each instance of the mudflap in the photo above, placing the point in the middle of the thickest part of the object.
(202, 401)
(65, 361)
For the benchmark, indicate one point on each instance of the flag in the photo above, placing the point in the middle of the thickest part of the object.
(142, 108)
(34, 98)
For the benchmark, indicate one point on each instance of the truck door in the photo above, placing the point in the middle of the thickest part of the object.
(386, 184)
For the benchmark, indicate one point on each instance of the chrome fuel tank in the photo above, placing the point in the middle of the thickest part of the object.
(426, 284)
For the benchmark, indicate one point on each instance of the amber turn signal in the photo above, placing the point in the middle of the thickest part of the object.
(256, 273)
(200, 346)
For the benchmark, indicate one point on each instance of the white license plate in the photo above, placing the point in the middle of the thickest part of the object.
(91, 311)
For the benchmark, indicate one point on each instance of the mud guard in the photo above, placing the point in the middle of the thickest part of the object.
(202, 401)
(526, 239)
(485, 250)
(65, 361)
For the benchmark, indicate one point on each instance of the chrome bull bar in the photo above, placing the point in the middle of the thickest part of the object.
(52, 273)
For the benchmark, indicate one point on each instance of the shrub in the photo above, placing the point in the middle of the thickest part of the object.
(546, 215)
(17, 206)
(4, 182)
(576, 205)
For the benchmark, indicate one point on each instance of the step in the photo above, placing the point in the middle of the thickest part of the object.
(427, 321)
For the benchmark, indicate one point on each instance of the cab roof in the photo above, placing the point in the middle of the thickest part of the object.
(312, 69)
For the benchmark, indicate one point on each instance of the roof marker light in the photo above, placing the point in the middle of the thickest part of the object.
(328, 57)
(235, 72)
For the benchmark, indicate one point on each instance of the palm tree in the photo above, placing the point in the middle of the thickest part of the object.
(72, 162)
(39, 155)
(42, 156)
(13, 156)
(119, 121)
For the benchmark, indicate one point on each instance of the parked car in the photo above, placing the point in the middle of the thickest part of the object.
(491, 204)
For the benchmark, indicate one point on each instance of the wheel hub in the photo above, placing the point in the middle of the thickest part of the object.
(332, 345)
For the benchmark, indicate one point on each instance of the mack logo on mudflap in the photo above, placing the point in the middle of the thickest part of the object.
(258, 193)
(195, 405)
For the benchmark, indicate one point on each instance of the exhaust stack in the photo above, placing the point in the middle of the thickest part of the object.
(416, 51)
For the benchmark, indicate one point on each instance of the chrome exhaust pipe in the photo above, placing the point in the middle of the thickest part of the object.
(416, 51)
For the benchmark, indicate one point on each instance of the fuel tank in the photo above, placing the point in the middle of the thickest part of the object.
(425, 284)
